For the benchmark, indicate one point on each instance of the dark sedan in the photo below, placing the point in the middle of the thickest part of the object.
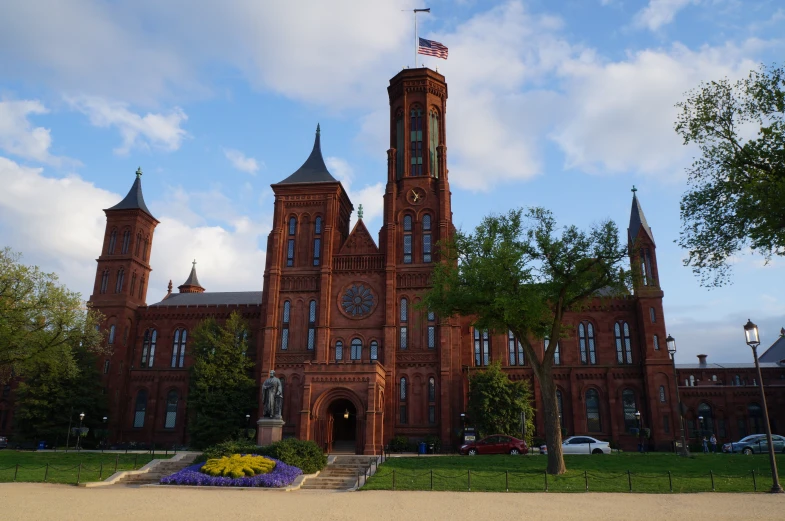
(496, 444)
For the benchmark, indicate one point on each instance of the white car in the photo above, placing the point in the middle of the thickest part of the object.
(581, 445)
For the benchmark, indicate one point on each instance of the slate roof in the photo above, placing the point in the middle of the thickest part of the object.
(638, 220)
(192, 280)
(776, 352)
(134, 200)
(216, 298)
(313, 170)
(731, 365)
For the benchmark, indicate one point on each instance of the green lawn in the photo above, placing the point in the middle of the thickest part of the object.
(604, 473)
(64, 467)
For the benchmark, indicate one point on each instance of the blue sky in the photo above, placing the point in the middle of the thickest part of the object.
(560, 104)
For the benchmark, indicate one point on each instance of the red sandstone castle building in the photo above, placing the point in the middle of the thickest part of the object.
(337, 318)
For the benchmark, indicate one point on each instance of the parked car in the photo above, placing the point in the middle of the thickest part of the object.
(496, 444)
(581, 445)
(755, 444)
(3, 442)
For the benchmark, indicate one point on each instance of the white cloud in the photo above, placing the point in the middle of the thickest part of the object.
(370, 196)
(240, 162)
(58, 224)
(160, 131)
(659, 13)
(19, 137)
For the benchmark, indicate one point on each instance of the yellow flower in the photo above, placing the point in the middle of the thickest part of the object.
(237, 466)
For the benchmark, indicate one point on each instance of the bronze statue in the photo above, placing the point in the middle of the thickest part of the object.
(272, 397)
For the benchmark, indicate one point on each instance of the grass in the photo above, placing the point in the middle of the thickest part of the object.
(64, 467)
(606, 473)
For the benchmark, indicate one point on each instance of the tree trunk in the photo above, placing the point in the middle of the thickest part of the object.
(552, 424)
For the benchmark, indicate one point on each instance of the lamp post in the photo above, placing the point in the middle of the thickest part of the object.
(671, 343)
(753, 340)
(106, 433)
(79, 436)
(640, 431)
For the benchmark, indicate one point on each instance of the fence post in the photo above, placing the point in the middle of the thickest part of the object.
(546, 479)
(670, 481)
(586, 479)
(116, 460)
(629, 480)
(506, 481)
(16, 471)
(101, 472)
(46, 472)
(136, 459)
(393, 479)
(79, 473)
(712, 480)
(469, 474)
(754, 482)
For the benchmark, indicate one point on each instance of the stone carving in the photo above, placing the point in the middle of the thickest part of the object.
(358, 300)
(272, 397)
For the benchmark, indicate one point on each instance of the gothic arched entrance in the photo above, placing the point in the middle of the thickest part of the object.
(342, 423)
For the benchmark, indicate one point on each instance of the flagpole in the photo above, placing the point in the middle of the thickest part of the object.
(416, 39)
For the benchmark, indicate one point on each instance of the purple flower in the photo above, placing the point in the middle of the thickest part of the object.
(282, 475)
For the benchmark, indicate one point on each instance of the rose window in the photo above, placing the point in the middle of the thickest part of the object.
(357, 300)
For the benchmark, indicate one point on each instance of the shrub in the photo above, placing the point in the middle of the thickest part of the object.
(435, 441)
(227, 448)
(399, 444)
(304, 454)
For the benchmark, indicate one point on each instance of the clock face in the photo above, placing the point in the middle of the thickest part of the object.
(415, 195)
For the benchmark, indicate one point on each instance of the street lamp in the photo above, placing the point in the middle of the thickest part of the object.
(106, 433)
(640, 431)
(671, 343)
(79, 436)
(753, 340)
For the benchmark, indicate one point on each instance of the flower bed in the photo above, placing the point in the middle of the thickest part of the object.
(282, 475)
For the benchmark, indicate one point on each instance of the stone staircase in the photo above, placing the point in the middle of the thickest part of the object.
(340, 474)
(154, 475)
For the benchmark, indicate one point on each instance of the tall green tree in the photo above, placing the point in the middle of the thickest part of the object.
(737, 184)
(518, 272)
(222, 389)
(497, 404)
(42, 322)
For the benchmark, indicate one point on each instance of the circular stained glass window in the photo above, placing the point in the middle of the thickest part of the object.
(357, 300)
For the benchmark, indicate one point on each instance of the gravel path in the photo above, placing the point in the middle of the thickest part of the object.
(32, 502)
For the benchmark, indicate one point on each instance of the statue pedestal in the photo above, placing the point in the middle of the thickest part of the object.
(269, 430)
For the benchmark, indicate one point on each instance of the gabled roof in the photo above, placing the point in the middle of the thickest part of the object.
(359, 241)
(313, 170)
(218, 298)
(134, 200)
(637, 219)
(776, 352)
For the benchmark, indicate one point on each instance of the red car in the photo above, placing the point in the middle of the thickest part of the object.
(496, 444)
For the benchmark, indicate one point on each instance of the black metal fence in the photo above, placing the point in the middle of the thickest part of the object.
(70, 474)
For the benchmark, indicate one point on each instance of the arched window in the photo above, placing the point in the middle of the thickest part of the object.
(146, 248)
(311, 325)
(482, 354)
(593, 420)
(432, 400)
(431, 330)
(515, 350)
(656, 343)
(415, 129)
(104, 280)
(407, 239)
(652, 315)
(630, 408)
(692, 380)
(623, 343)
(285, 325)
(111, 334)
(178, 348)
(737, 380)
(290, 246)
(141, 407)
(357, 349)
(560, 406)
(755, 414)
(141, 288)
(338, 350)
(586, 343)
(426, 238)
(374, 350)
(126, 241)
(646, 276)
(433, 141)
(118, 287)
(112, 242)
(133, 285)
(171, 410)
(662, 394)
(403, 413)
(399, 145)
(317, 242)
(704, 409)
(139, 244)
(404, 330)
(148, 347)
(546, 342)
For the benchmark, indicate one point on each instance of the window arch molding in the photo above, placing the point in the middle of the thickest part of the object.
(170, 408)
(140, 407)
(587, 341)
(407, 226)
(179, 344)
(338, 349)
(374, 348)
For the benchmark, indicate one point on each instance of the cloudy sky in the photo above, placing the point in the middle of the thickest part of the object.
(564, 104)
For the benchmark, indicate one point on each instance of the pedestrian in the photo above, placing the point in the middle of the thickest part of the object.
(705, 445)
(713, 442)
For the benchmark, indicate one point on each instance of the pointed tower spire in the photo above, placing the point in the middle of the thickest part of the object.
(313, 170)
(637, 219)
(191, 285)
(134, 200)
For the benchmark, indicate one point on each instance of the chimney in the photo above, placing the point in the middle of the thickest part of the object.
(702, 360)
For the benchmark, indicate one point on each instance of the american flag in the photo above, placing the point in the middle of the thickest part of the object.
(431, 48)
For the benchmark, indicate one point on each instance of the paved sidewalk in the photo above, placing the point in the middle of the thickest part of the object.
(32, 502)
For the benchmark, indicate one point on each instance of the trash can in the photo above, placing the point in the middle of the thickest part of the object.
(431, 449)
(41, 445)
(422, 448)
